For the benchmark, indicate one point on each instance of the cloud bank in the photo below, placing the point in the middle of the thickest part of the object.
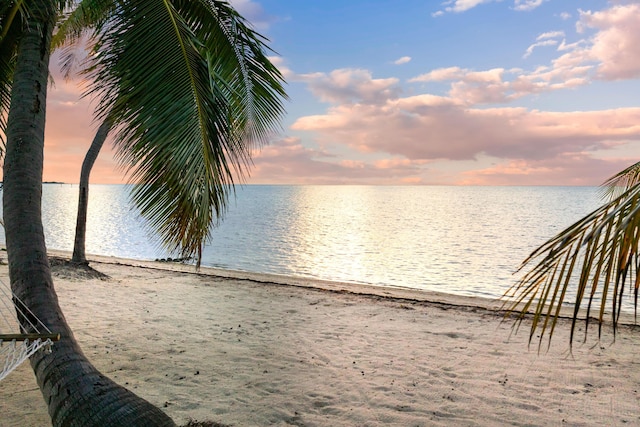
(472, 123)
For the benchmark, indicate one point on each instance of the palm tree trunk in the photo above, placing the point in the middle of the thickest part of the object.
(79, 256)
(76, 393)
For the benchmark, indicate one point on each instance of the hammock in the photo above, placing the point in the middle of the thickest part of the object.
(15, 348)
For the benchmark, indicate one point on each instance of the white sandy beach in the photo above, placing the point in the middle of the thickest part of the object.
(256, 350)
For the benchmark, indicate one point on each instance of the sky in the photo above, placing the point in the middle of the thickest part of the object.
(415, 92)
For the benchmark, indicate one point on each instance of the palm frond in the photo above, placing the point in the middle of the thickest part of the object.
(593, 259)
(622, 181)
(78, 28)
(11, 20)
(179, 124)
(240, 69)
(87, 16)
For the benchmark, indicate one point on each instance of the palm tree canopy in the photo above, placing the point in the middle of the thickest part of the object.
(598, 255)
(191, 92)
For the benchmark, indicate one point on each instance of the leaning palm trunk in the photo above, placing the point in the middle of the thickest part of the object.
(77, 394)
(79, 255)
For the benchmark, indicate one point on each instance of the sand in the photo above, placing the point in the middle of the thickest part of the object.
(256, 350)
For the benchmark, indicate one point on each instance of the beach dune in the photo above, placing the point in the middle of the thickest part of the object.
(256, 350)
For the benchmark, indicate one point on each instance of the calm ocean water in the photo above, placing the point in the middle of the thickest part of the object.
(459, 240)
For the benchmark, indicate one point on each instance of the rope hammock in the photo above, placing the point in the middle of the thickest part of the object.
(15, 348)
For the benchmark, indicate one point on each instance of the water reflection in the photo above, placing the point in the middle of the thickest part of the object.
(465, 240)
(335, 230)
(114, 228)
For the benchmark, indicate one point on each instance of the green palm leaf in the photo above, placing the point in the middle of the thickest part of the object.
(622, 181)
(89, 16)
(10, 29)
(85, 21)
(597, 256)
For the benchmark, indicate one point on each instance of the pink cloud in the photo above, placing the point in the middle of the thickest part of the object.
(500, 85)
(419, 129)
(350, 86)
(616, 46)
(612, 53)
(440, 74)
(566, 169)
(286, 160)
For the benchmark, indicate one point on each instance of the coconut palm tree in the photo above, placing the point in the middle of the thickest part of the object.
(598, 256)
(169, 74)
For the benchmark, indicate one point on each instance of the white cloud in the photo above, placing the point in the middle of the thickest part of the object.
(539, 44)
(500, 85)
(458, 6)
(439, 75)
(544, 39)
(280, 64)
(254, 13)
(564, 46)
(612, 52)
(616, 45)
(565, 16)
(464, 5)
(527, 5)
(351, 86)
(550, 35)
(402, 60)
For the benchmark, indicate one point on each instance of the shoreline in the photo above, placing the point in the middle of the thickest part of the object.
(248, 350)
(389, 292)
(393, 292)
